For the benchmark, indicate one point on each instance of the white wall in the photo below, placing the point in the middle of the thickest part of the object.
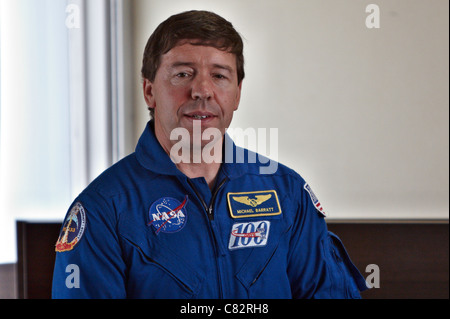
(362, 114)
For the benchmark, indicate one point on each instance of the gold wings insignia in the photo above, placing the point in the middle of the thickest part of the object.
(242, 199)
(252, 201)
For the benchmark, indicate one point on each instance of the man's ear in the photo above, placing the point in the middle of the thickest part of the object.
(238, 96)
(149, 97)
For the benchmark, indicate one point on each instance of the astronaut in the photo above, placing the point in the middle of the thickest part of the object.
(152, 227)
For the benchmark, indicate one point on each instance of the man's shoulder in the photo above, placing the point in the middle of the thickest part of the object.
(273, 172)
(265, 166)
(120, 177)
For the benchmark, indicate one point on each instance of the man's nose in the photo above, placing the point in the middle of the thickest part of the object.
(202, 88)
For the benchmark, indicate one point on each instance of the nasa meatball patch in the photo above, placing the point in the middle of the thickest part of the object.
(168, 215)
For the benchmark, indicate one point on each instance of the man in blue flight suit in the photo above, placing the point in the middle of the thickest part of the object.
(155, 226)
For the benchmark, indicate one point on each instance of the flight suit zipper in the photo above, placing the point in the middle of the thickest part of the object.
(208, 209)
(210, 213)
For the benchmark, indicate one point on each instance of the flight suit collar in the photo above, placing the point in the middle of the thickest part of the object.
(152, 156)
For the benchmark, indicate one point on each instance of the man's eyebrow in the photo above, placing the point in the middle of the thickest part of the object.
(191, 64)
(224, 67)
(177, 64)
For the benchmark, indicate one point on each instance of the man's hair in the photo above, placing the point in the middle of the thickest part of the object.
(206, 28)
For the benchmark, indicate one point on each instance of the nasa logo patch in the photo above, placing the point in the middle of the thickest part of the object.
(251, 234)
(314, 199)
(168, 215)
(73, 228)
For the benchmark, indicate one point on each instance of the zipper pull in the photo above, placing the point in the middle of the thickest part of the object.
(210, 213)
(210, 210)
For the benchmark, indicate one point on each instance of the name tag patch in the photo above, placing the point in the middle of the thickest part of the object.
(251, 234)
(253, 204)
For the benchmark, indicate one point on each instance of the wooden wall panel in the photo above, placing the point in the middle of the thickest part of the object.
(412, 257)
(36, 258)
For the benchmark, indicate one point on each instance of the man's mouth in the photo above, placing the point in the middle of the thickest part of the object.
(200, 116)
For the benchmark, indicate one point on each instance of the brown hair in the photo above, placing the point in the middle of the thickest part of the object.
(207, 28)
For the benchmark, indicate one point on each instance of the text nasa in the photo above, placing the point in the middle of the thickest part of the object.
(229, 308)
(168, 216)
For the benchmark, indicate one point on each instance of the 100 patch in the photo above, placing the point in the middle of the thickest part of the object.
(251, 234)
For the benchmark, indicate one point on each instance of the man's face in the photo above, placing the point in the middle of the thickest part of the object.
(193, 83)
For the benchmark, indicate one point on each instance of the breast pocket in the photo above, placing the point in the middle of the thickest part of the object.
(264, 273)
(154, 270)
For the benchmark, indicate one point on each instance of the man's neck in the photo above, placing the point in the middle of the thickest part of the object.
(194, 168)
(207, 170)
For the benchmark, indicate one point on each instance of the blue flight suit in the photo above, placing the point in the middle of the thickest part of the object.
(143, 229)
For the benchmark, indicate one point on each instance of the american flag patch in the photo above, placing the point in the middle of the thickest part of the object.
(314, 199)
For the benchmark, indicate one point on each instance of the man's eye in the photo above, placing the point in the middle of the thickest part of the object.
(182, 75)
(219, 76)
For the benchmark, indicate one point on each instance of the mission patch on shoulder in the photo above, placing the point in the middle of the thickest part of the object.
(314, 199)
(73, 228)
